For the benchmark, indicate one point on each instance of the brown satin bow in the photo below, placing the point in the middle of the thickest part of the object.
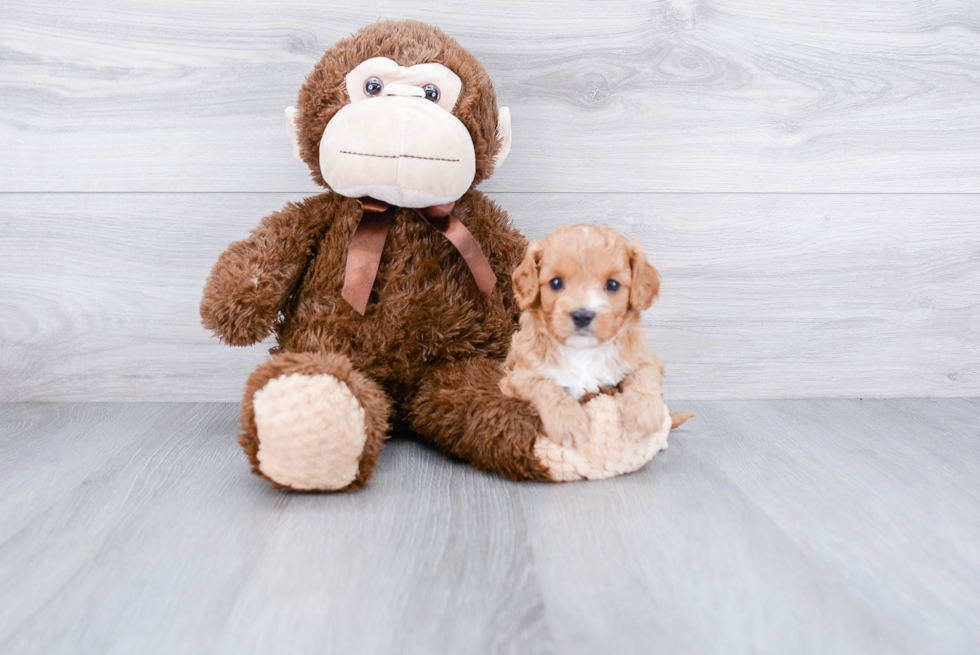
(364, 252)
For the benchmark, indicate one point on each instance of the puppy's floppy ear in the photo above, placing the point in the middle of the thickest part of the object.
(646, 281)
(526, 285)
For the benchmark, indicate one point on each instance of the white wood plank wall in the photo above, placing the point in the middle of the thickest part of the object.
(805, 174)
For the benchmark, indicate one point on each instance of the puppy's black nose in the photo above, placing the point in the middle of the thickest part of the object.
(582, 317)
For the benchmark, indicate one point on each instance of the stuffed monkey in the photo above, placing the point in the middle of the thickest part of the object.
(389, 294)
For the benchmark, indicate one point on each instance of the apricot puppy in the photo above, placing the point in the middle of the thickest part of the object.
(581, 291)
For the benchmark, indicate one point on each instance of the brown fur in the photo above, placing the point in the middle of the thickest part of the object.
(460, 410)
(429, 345)
(372, 398)
(584, 258)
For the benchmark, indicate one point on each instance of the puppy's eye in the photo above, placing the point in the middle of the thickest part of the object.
(556, 284)
(373, 86)
(431, 92)
(612, 285)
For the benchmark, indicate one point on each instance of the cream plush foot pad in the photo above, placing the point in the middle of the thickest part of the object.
(311, 431)
(608, 451)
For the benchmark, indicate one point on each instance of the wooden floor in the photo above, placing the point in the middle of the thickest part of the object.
(794, 526)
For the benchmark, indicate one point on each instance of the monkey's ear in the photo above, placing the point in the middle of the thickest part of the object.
(526, 285)
(503, 136)
(291, 113)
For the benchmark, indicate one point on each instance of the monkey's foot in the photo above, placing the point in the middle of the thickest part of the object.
(311, 432)
(607, 452)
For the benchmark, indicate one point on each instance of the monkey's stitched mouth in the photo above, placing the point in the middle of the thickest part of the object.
(367, 154)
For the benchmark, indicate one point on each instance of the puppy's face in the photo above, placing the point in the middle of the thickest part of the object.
(585, 282)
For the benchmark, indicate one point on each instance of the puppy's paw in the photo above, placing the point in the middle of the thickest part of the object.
(641, 415)
(566, 424)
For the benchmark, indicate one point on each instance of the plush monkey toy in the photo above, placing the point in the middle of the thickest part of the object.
(390, 294)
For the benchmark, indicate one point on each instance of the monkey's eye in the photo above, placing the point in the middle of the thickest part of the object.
(556, 284)
(373, 86)
(431, 92)
(612, 285)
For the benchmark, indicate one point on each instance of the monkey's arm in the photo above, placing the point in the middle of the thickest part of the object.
(502, 243)
(253, 278)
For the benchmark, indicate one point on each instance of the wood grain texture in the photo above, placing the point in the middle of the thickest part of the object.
(158, 539)
(762, 295)
(670, 95)
(808, 526)
(775, 526)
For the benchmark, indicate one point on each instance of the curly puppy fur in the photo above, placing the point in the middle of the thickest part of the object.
(428, 350)
(582, 290)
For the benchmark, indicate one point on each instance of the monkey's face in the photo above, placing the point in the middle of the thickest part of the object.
(399, 111)
(398, 140)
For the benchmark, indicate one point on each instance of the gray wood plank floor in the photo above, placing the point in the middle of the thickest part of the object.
(803, 526)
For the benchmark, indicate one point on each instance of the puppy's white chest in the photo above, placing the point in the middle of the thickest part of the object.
(583, 370)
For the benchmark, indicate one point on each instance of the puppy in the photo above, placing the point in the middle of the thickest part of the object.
(581, 291)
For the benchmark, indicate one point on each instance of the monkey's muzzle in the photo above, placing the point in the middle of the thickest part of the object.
(406, 151)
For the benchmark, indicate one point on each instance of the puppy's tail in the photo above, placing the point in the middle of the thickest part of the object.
(679, 417)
